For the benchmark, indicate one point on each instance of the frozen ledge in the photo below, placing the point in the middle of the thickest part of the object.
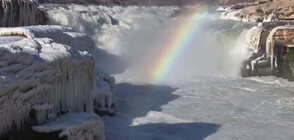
(79, 126)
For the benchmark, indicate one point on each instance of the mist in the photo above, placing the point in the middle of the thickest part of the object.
(131, 48)
(217, 49)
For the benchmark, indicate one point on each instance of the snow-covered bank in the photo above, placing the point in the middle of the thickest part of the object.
(45, 71)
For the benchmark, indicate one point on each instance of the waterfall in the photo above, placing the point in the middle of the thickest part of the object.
(132, 34)
(21, 13)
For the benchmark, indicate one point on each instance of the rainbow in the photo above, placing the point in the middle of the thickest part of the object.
(183, 34)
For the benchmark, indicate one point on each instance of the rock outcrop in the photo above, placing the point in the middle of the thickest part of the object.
(267, 11)
(272, 46)
(280, 48)
(272, 40)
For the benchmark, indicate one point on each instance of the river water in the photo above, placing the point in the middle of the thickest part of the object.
(200, 95)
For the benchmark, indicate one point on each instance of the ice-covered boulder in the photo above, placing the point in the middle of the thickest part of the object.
(21, 13)
(44, 72)
(273, 47)
(253, 38)
(280, 47)
(104, 97)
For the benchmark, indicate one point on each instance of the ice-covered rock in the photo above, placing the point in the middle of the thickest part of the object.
(104, 97)
(44, 112)
(255, 38)
(43, 76)
(279, 47)
(273, 45)
(75, 126)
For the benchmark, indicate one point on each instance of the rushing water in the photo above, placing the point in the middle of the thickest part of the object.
(201, 96)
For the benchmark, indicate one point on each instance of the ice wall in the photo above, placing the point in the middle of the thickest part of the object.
(40, 78)
(21, 13)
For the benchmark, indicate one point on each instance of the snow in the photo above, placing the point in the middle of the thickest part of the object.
(75, 126)
(60, 34)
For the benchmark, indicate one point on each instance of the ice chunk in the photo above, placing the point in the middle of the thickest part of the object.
(77, 126)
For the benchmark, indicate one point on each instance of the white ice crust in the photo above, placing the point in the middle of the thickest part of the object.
(47, 70)
(77, 126)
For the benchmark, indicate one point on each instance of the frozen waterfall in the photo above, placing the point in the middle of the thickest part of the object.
(21, 13)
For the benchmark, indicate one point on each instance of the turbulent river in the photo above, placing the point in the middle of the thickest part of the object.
(178, 77)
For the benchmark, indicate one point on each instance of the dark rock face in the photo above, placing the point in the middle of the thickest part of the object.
(21, 13)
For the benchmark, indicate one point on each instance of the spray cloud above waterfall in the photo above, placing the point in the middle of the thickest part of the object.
(162, 43)
(184, 46)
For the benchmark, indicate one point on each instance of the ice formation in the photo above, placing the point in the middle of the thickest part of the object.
(75, 126)
(104, 97)
(21, 13)
(44, 72)
(253, 38)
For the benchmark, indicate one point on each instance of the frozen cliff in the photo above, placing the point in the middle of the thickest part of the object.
(45, 72)
(21, 13)
(271, 40)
